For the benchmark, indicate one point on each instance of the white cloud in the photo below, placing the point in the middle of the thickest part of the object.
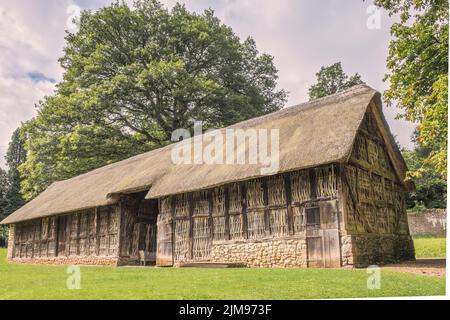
(31, 41)
(301, 35)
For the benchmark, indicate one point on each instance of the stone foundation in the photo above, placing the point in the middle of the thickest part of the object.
(369, 249)
(94, 261)
(267, 253)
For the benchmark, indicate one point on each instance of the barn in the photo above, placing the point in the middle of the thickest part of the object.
(337, 199)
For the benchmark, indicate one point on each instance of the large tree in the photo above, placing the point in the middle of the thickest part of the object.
(418, 65)
(3, 191)
(332, 79)
(15, 157)
(431, 188)
(3, 204)
(132, 75)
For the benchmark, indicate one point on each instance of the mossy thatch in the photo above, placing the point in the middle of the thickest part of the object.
(311, 134)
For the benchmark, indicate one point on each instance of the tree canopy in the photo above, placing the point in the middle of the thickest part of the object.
(431, 188)
(132, 75)
(15, 157)
(3, 191)
(332, 79)
(418, 71)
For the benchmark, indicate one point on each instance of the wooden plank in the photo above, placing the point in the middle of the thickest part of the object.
(288, 190)
(164, 252)
(332, 253)
(313, 184)
(60, 236)
(97, 232)
(191, 226)
(108, 227)
(78, 232)
(266, 203)
(330, 232)
(315, 252)
(34, 236)
(244, 211)
(210, 213)
(211, 265)
(227, 213)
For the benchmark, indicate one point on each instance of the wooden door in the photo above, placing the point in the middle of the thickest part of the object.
(61, 242)
(314, 237)
(322, 235)
(315, 252)
(164, 251)
(330, 234)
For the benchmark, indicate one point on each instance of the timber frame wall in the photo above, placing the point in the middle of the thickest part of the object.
(373, 202)
(333, 215)
(193, 226)
(88, 236)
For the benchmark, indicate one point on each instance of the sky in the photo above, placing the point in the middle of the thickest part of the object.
(302, 35)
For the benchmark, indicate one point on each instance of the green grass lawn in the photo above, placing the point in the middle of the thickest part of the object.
(49, 282)
(430, 247)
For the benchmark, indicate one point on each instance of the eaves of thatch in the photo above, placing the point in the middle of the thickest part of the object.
(311, 134)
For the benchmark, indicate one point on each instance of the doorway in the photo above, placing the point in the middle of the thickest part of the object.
(322, 235)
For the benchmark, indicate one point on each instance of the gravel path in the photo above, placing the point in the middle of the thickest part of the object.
(429, 267)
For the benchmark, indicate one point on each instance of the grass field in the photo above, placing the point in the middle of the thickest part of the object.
(429, 247)
(49, 282)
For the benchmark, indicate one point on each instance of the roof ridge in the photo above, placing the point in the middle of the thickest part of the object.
(320, 102)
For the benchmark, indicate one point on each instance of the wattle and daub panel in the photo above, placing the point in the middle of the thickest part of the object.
(374, 196)
(268, 207)
(84, 233)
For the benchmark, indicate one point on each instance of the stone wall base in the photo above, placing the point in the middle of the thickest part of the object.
(267, 253)
(95, 261)
(370, 249)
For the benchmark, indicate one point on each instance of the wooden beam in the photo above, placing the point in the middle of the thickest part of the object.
(97, 233)
(34, 239)
(243, 188)
(210, 212)
(264, 185)
(227, 212)
(191, 226)
(108, 224)
(78, 231)
(87, 243)
(313, 184)
(288, 191)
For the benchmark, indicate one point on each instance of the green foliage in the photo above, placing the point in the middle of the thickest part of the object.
(3, 192)
(332, 79)
(418, 64)
(431, 188)
(131, 77)
(3, 236)
(49, 282)
(15, 156)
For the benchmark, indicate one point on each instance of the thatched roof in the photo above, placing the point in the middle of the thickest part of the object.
(311, 134)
